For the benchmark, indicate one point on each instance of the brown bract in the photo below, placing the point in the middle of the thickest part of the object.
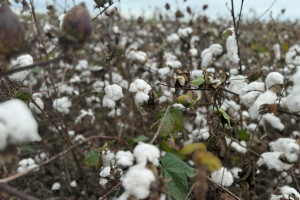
(12, 32)
(77, 24)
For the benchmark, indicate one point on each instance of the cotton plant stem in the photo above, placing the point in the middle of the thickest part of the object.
(160, 125)
(16, 176)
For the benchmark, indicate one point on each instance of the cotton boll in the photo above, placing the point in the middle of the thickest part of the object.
(222, 175)
(173, 38)
(232, 48)
(109, 103)
(56, 186)
(207, 57)
(141, 97)
(37, 98)
(286, 193)
(249, 98)
(146, 152)
(281, 144)
(124, 158)
(273, 120)
(82, 65)
(185, 32)
(105, 172)
(17, 123)
(175, 64)
(237, 84)
(193, 52)
(137, 180)
(267, 97)
(235, 172)
(272, 161)
(21, 62)
(108, 158)
(276, 49)
(61, 19)
(216, 49)
(274, 78)
(292, 57)
(73, 183)
(62, 105)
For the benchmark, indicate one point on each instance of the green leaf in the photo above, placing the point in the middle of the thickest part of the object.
(199, 81)
(172, 123)
(24, 96)
(226, 33)
(242, 135)
(28, 149)
(172, 163)
(225, 116)
(186, 100)
(92, 158)
(138, 139)
(177, 185)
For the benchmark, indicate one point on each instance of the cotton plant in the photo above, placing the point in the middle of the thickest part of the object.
(209, 54)
(141, 90)
(21, 61)
(113, 93)
(17, 124)
(62, 105)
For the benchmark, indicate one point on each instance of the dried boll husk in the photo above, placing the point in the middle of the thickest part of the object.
(77, 25)
(12, 32)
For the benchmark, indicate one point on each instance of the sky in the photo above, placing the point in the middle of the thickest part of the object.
(215, 8)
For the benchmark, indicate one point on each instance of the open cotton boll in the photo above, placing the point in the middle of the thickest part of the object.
(207, 57)
(62, 105)
(21, 62)
(113, 93)
(237, 84)
(235, 172)
(124, 158)
(292, 57)
(216, 49)
(249, 98)
(273, 120)
(222, 177)
(281, 144)
(141, 97)
(193, 52)
(185, 32)
(173, 38)
(272, 161)
(56, 186)
(293, 99)
(146, 152)
(37, 98)
(286, 193)
(139, 85)
(232, 48)
(274, 78)
(61, 20)
(137, 180)
(267, 97)
(105, 172)
(108, 158)
(17, 123)
(276, 49)
(84, 113)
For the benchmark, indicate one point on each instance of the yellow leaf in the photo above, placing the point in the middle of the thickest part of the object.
(205, 158)
(190, 148)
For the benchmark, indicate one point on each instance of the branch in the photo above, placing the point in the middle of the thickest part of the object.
(103, 11)
(236, 31)
(16, 193)
(11, 178)
(160, 125)
(27, 67)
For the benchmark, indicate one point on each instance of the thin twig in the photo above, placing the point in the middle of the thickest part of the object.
(16, 176)
(109, 192)
(189, 193)
(230, 193)
(160, 125)
(265, 11)
(103, 11)
(255, 130)
(236, 32)
(16, 193)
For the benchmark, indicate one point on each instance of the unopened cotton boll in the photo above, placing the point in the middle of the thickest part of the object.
(146, 152)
